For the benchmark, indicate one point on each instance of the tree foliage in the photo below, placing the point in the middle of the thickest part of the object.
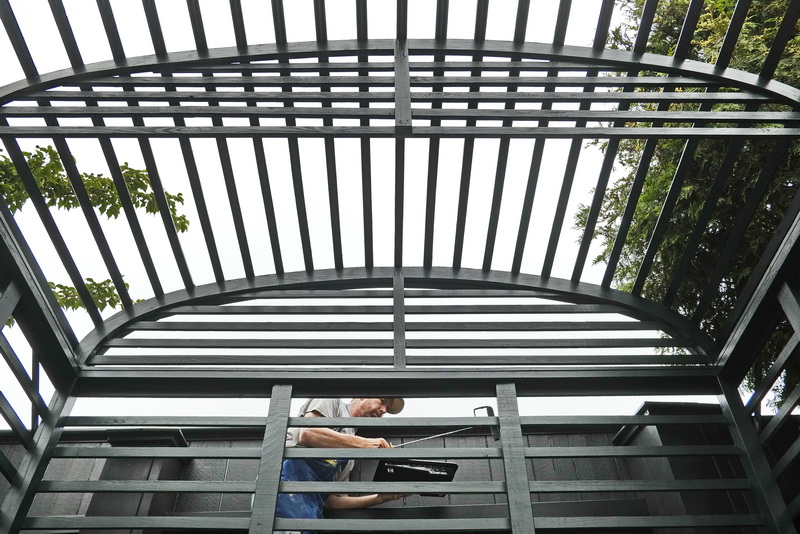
(48, 171)
(54, 184)
(754, 43)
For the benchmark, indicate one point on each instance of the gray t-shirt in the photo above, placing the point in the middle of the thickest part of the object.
(326, 408)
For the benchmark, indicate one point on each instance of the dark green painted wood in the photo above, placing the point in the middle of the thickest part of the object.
(33, 465)
(255, 453)
(620, 59)
(269, 469)
(788, 459)
(399, 316)
(9, 298)
(650, 522)
(14, 422)
(550, 486)
(462, 361)
(144, 486)
(37, 313)
(473, 97)
(212, 524)
(346, 132)
(393, 81)
(754, 461)
(396, 525)
(402, 88)
(27, 383)
(518, 492)
(370, 382)
(7, 469)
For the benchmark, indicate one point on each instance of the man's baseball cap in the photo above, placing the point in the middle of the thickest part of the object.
(395, 405)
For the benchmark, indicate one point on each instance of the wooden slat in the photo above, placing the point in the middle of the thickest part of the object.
(284, 360)
(293, 132)
(754, 461)
(489, 524)
(789, 351)
(266, 487)
(7, 469)
(788, 459)
(33, 465)
(49, 223)
(402, 88)
(9, 299)
(627, 522)
(782, 417)
(549, 486)
(145, 486)
(551, 420)
(516, 473)
(399, 198)
(64, 451)
(410, 309)
(387, 525)
(392, 81)
(212, 524)
(714, 192)
(14, 422)
(399, 322)
(502, 65)
(131, 381)
(583, 343)
(254, 343)
(462, 488)
(27, 383)
(213, 343)
(452, 360)
(17, 39)
(630, 451)
(255, 453)
(744, 217)
(206, 326)
(214, 421)
(741, 97)
(785, 33)
(257, 112)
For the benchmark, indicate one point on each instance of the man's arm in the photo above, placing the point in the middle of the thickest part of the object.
(341, 502)
(325, 437)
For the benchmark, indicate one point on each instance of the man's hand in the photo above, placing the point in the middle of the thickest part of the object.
(326, 437)
(375, 443)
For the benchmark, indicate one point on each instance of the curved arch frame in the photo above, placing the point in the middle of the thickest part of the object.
(619, 58)
(253, 382)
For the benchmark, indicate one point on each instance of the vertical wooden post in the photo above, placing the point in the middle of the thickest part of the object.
(517, 486)
(262, 519)
(398, 294)
(755, 462)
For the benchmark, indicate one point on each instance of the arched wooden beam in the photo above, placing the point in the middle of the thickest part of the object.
(438, 278)
(620, 59)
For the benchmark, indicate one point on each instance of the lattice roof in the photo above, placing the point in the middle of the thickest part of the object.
(423, 147)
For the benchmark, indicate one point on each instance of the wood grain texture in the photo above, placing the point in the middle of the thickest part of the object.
(514, 464)
(269, 470)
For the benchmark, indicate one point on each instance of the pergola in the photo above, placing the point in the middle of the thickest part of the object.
(369, 217)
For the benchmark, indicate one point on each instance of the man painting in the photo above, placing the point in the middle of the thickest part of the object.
(311, 505)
